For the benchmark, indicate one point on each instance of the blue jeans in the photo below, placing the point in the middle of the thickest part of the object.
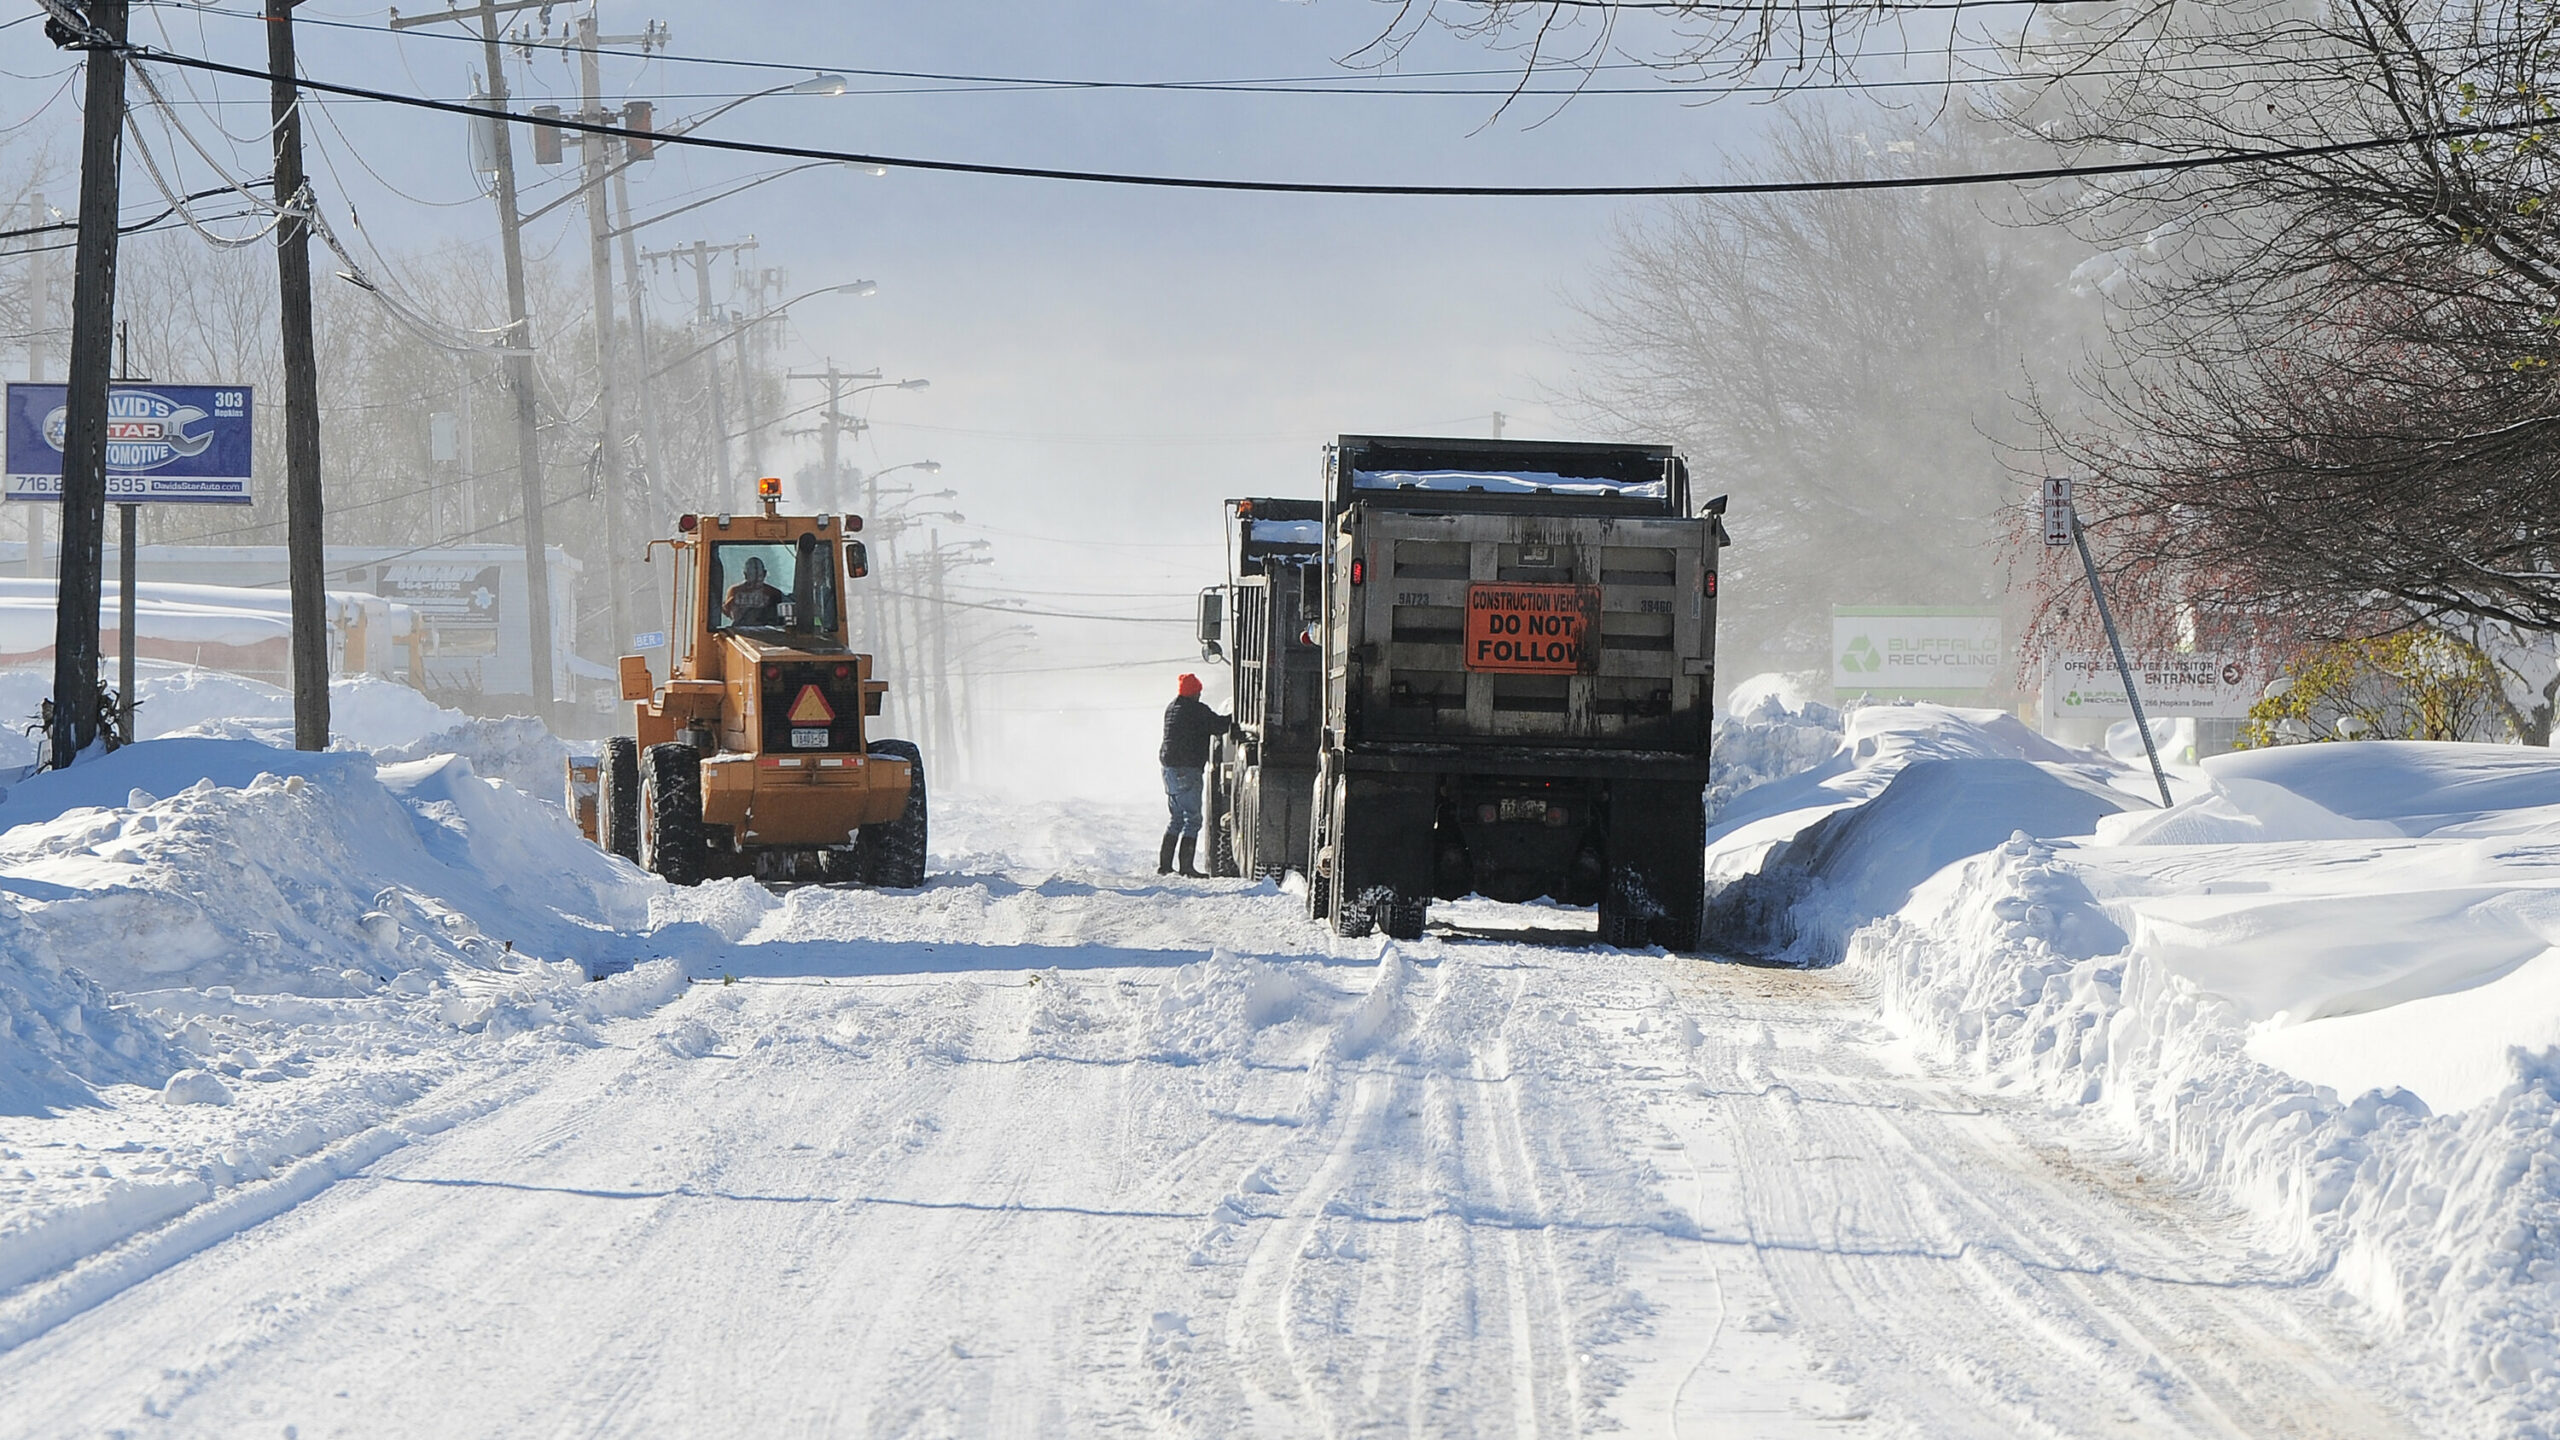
(1182, 797)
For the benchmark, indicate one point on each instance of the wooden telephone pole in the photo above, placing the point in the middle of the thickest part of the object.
(74, 721)
(519, 355)
(302, 528)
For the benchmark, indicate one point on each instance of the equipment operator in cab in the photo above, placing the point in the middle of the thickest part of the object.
(1188, 728)
(751, 601)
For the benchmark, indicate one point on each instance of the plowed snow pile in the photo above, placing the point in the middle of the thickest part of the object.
(2323, 985)
(223, 962)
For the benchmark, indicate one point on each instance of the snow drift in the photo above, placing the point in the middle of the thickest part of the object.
(1794, 865)
(2324, 985)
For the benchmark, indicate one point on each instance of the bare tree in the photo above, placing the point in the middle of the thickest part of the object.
(1844, 365)
(2330, 411)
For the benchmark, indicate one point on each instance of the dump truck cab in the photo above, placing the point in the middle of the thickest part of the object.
(1261, 624)
(754, 754)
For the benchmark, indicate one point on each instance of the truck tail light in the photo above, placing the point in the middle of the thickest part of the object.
(1711, 584)
(1359, 571)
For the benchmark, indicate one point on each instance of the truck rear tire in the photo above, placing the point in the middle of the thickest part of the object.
(1319, 885)
(671, 813)
(1404, 916)
(1371, 887)
(891, 856)
(618, 798)
(1656, 887)
(1218, 825)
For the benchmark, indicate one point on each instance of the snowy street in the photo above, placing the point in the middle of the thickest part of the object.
(1046, 1149)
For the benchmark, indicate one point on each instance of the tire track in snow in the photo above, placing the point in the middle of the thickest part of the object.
(1538, 1303)
(1946, 1268)
(1259, 1328)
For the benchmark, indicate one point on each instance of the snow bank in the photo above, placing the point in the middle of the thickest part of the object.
(232, 973)
(1796, 864)
(2324, 986)
(366, 712)
(1770, 729)
(316, 874)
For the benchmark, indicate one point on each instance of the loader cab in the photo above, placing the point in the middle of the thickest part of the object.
(786, 590)
(775, 580)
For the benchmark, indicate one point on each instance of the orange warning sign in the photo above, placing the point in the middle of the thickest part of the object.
(812, 708)
(1533, 629)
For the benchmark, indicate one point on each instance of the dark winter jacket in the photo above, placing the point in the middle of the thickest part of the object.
(1188, 725)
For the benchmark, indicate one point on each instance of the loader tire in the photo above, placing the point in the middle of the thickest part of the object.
(671, 813)
(891, 855)
(618, 798)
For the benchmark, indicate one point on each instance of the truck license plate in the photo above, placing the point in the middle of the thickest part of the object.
(809, 739)
(1533, 629)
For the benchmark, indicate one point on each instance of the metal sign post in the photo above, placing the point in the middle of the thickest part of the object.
(2061, 527)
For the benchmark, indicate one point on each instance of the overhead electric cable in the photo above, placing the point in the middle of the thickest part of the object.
(2210, 159)
(656, 55)
(122, 229)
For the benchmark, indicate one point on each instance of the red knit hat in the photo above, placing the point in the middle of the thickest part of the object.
(1187, 685)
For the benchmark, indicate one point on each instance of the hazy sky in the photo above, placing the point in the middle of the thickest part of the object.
(1107, 363)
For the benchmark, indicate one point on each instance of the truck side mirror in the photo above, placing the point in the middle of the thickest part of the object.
(857, 559)
(1213, 616)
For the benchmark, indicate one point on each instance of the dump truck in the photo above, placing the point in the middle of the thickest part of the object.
(1261, 625)
(1519, 660)
(754, 756)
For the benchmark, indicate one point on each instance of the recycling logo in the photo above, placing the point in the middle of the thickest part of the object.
(1861, 658)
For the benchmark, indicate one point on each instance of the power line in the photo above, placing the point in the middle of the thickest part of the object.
(565, 47)
(2209, 160)
(120, 229)
(1003, 609)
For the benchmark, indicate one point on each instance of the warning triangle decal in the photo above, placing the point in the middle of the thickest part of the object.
(811, 708)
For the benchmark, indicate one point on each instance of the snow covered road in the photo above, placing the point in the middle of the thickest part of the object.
(1042, 1149)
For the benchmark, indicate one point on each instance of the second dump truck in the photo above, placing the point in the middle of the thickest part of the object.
(1262, 623)
(1518, 644)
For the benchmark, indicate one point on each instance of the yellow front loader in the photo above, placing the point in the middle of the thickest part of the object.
(753, 757)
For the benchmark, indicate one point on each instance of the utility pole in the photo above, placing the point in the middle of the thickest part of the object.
(700, 254)
(591, 154)
(39, 316)
(941, 725)
(302, 525)
(832, 421)
(84, 448)
(651, 486)
(763, 281)
(519, 354)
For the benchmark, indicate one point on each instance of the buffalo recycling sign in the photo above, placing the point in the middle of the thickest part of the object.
(1916, 650)
(183, 444)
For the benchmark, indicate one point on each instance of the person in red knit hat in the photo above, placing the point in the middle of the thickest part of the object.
(1188, 728)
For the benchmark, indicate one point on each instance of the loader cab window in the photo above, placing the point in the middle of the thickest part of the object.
(788, 586)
